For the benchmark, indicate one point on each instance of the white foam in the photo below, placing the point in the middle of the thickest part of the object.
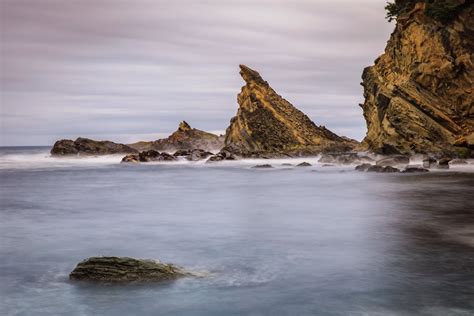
(39, 159)
(45, 160)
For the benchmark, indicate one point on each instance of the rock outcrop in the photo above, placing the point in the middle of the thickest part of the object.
(266, 125)
(89, 147)
(419, 93)
(132, 158)
(193, 154)
(124, 270)
(153, 155)
(184, 138)
(222, 155)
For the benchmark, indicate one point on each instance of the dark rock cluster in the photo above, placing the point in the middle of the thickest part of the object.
(88, 147)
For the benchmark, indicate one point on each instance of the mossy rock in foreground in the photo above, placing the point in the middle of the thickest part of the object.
(124, 270)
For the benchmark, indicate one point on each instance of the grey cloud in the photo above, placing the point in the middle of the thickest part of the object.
(132, 69)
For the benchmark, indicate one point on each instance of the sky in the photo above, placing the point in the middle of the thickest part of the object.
(132, 70)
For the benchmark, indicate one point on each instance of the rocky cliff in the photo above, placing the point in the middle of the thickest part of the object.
(268, 125)
(419, 93)
(185, 137)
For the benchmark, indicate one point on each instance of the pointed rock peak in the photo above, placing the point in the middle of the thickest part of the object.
(184, 126)
(267, 125)
(250, 75)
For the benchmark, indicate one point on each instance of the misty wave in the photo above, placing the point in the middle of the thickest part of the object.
(40, 158)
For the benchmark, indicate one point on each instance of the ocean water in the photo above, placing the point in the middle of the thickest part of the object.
(282, 241)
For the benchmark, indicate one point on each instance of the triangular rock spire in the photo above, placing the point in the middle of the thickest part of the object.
(268, 124)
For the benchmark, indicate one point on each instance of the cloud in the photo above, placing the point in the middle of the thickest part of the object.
(127, 69)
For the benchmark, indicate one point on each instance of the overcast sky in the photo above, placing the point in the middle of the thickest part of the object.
(131, 70)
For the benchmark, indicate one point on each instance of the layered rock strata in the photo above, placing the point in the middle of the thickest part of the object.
(419, 93)
(268, 125)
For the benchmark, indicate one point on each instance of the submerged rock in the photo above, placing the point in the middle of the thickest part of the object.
(222, 155)
(198, 154)
(266, 125)
(124, 270)
(443, 163)
(414, 169)
(133, 158)
(265, 166)
(88, 147)
(429, 162)
(382, 169)
(193, 154)
(363, 167)
(419, 93)
(304, 164)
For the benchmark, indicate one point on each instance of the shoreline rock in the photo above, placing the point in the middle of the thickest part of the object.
(304, 164)
(193, 154)
(222, 155)
(414, 169)
(153, 155)
(264, 166)
(382, 169)
(88, 147)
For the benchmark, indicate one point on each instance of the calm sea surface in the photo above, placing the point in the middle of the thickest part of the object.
(284, 241)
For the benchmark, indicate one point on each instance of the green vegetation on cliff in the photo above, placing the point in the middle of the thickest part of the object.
(440, 10)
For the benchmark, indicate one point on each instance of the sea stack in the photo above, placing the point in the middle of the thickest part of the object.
(268, 125)
(419, 93)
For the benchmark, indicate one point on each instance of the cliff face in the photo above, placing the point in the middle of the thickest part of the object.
(419, 93)
(267, 124)
(184, 137)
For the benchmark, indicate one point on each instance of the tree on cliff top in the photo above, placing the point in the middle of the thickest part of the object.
(440, 10)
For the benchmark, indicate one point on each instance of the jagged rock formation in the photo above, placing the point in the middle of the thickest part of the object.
(124, 270)
(88, 147)
(222, 155)
(419, 93)
(184, 138)
(268, 125)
